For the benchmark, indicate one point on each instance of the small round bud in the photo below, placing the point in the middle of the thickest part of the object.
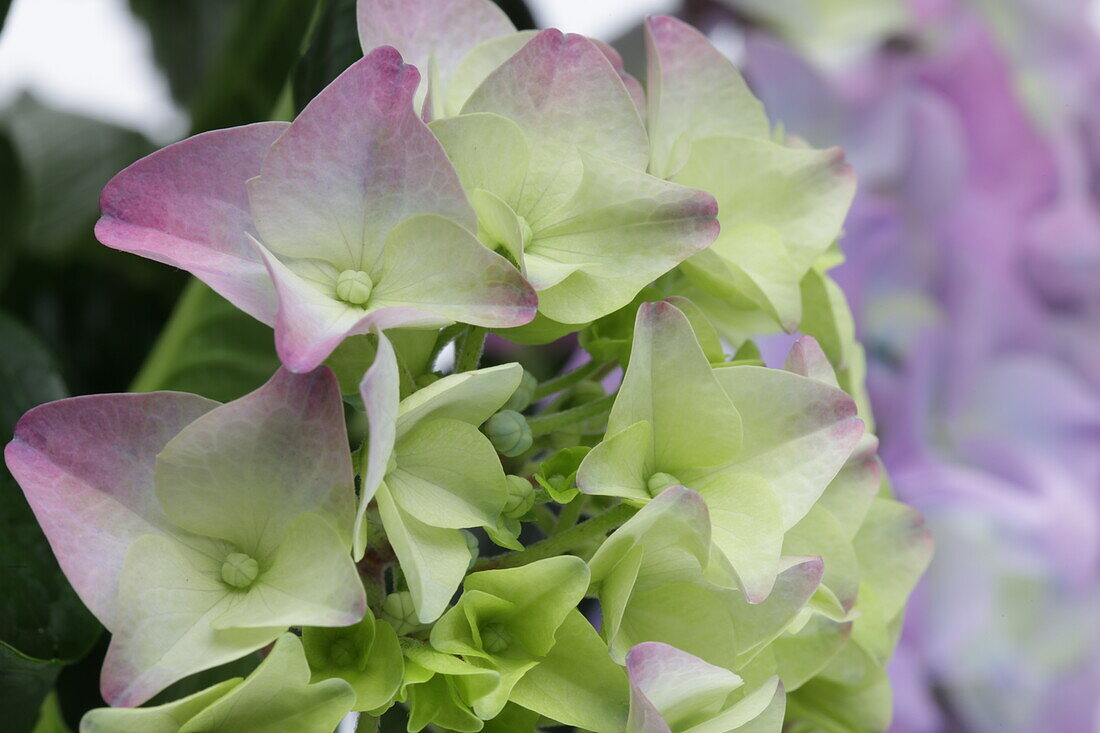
(509, 432)
(521, 497)
(354, 287)
(524, 393)
(472, 545)
(239, 570)
(495, 638)
(658, 482)
(400, 613)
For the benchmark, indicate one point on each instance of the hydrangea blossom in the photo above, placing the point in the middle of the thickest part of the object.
(711, 545)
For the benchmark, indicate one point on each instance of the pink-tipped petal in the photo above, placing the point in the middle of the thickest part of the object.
(246, 469)
(808, 360)
(693, 92)
(86, 466)
(433, 35)
(562, 90)
(355, 163)
(187, 206)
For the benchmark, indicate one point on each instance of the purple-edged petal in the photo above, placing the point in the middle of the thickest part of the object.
(434, 35)
(354, 164)
(564, 93)
(381, 393)
(187, 206)
(86, 466)
(244, 470)
(693, 92)
(808, 360)
(669, 685)
(798, 432)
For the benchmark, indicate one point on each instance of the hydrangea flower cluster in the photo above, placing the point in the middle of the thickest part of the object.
(974, 255)
(709, 545)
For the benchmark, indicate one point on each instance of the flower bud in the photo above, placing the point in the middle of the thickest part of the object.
(495, 638)
(239, 570)
(658, 482)
(524, 393)
(354, 287)
(400, 613)
(521, 497)
(509, 433)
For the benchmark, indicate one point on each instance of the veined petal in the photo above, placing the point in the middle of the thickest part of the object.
(187, 206)
(693, 92)
(448, 474)
(672, 687)
(489, 152)
(470, 397)
(434, 560)
(621, 464)
(86, 467)
(802, 194)
(621, 230)
(434, 35)
(670, 384)
(798, 432)
(433, 265)
(354, 164)
(309, 580)
(244, 470)
(168, 599)
(476, 66)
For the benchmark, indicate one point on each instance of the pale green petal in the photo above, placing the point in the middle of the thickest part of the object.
(681, 687)
(747, 526)
(850, 495)
(705, 332)
(278, 698)
(499, 227)
(819, 533)
(623, 229)
(380, 391)
(434, 266)
(833, 707)
(800, 657)
(577, 683)
(802, 194)
(167, 718)
(798, 432)
(434, 560)
(309, 580)
(670, 384)
(476, 66)
(244, 470)
(693, 91)
(620, 465)
(472, 397)
(169, 599)
(489, 152)
(758, 624)
(760, 711)
(448, 474)
(687, 616)
(375, 674)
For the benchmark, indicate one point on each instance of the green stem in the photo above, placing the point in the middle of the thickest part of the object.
(545, 519)
(162, 359)
(545, 424)
(570, 513)
(571, 539)
(446, 336)
(468, 349)
(557, 384)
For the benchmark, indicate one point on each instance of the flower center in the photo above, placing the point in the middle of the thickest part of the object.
(658, 482)
(354, 287)
(344, 652)
(495, 638)
(239, 570)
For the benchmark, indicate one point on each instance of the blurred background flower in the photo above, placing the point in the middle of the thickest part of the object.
(973, 269)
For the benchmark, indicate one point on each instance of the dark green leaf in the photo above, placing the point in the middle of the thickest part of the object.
(226, 60)
(333, 48)
(209, 348)
(43, 624)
